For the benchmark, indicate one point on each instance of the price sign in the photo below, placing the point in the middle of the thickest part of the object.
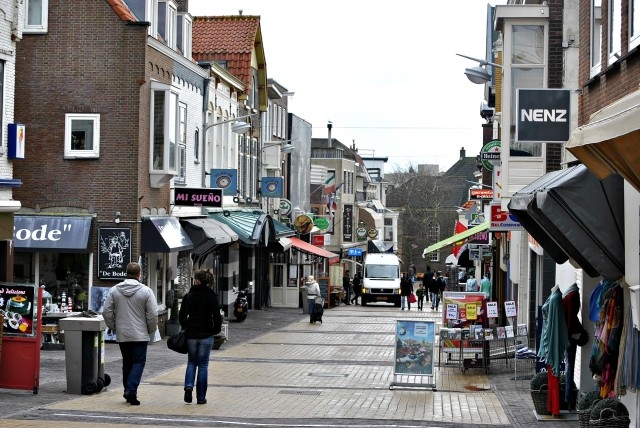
(510, 308)
(452, 311)
(472, 311)
(492, 309)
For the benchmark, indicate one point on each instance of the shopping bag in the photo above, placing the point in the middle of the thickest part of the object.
(178, 342)
(412, 298)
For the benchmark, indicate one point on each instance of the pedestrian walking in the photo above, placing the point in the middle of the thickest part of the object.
(357, 287)
(412, 273)
(346, 284)
(200, 318)
(426, 280)
(406, 288)
(420, 292)
(434, 288)
(439, 286)
(131, 312)
(313, 290)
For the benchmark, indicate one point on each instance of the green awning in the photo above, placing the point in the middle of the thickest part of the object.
(456, 238)
(252, 226)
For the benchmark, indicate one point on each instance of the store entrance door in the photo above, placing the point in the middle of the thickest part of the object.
(282, 294)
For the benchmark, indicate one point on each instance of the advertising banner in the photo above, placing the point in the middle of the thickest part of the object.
(414, 347)
(19, 307)
(458, 322)
(114, 252)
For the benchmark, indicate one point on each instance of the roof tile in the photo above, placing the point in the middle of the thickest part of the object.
(122, 10)
(228, 38)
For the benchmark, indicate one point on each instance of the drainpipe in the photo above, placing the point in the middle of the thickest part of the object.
(205, 109)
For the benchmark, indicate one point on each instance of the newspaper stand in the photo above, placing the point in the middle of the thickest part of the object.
(21, 308)
(414, 355)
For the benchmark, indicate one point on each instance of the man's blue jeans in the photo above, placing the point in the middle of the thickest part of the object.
(198, 359)
(311, 303)
(134, 357)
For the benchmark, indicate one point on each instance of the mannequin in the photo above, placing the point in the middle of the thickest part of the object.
(554, 341)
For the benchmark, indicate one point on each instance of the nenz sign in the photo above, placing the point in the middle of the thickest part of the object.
(543, 115)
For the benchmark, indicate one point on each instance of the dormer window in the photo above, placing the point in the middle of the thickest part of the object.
(167, 22)
(184, 39)
(35, 17)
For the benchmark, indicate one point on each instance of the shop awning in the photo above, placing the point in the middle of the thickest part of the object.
(52, 233)
(456, 238)
(609, 142)
(572, 214)
(253, 226)
(371, 218)
(207, 234)
(312, 249)
(285, 243)
(163, 234)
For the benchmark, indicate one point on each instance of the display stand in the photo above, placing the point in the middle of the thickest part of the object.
(21, 338)
(414, 353)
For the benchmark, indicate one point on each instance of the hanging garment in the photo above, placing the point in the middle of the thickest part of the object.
(571, 307)
(554, 339)
(553, 392)
(627, 376)
(594, 309)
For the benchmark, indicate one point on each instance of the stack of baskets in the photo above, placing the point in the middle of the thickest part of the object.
(539, 393)
(609, 413)
(586, 402)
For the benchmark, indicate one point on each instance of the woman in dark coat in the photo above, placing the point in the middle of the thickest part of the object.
(406, 288)
(200, 318)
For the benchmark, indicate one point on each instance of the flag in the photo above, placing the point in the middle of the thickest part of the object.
(456, 249)
(330, 185)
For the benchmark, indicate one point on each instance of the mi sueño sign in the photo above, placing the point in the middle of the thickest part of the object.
(542, 115)
(198, 197)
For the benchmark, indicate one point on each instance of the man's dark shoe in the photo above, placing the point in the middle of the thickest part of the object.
(131, 399)
(188, 396)
(202, 401)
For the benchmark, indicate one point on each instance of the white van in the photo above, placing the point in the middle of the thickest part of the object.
(381, 279)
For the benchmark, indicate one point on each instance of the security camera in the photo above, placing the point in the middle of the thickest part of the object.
(486, 112)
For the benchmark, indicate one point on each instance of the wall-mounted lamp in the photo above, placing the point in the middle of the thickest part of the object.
(117, 219)
(240, 127)
(286, 146)
(478, 74)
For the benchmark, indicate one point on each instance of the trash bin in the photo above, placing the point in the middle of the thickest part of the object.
(84, 353)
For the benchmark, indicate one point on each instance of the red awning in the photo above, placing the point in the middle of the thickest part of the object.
(308, 248)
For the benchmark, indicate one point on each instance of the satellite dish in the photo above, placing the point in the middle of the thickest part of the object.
(303, 224)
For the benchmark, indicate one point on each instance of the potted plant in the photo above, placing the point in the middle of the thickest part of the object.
(587, 400)
(609, 413)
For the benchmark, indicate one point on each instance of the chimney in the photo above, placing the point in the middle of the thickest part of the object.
(463, 154)
(329, 126)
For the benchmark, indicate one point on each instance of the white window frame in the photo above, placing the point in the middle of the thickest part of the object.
(595, 49)
(181, 174)
(187, 37)
(172, 22)
(171, 125)
(634, 23)
(151, 13)
(614, 45)
(94, 133)
(43, 26)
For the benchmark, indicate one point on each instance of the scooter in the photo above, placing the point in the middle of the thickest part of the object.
(241, 305)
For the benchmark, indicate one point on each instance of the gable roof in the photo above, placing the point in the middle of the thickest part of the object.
(122, 10)
(228, 38)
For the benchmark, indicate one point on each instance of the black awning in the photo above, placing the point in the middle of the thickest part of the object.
(208, 234)
(376, 246)
(574, 215)
(163, 235)
(60, 234)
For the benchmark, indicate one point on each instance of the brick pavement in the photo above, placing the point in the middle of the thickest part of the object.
(279, 369)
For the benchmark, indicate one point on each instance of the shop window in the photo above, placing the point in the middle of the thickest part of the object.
(82, 135)
(35, 17)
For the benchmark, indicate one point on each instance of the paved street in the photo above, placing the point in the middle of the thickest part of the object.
(279, 370)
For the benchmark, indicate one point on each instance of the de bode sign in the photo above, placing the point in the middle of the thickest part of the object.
(198, 197)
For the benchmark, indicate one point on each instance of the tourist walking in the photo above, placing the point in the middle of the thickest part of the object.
(357, 287)
(131, 312)
(406, 288)
(200, 318)
(420, 292)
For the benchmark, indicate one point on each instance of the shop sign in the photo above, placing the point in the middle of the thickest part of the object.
(354, 252)
(347, 223)
(475, 194)
(284, 208)
(361, 233)
(502, 221)
(490, 154)
(20, 307)
(543, 115)
(271, 187)
(225, 179)
(198, 197)
(372, 233)
(317, 240)
(114, 252)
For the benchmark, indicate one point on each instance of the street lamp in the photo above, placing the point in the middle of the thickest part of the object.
(286, 146)
(478, 74)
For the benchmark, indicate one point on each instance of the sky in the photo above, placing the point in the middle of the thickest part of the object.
(384, 73)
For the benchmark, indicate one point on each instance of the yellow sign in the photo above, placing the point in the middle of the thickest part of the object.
(472, 311)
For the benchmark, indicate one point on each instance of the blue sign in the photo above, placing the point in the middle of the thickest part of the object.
(354, 252)
(225, 179)
(271, 187)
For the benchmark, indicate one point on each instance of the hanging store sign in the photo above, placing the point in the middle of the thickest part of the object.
(114, 252)
(542, 115)
(198, 197)
(490, 154)
(502, 221)
(225, 179)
